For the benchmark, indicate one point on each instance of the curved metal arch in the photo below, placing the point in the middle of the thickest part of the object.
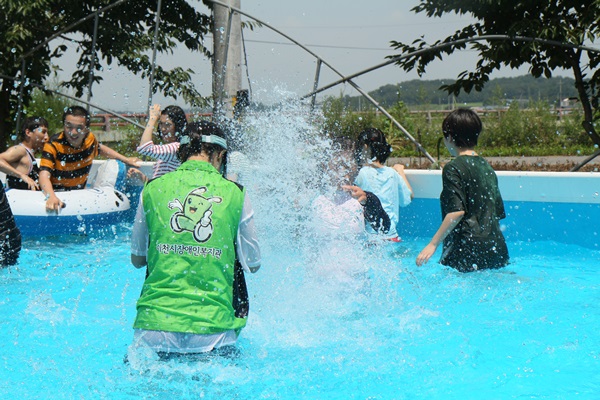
(448, 44)
(464, 41)
(348, 78)
(321, 61)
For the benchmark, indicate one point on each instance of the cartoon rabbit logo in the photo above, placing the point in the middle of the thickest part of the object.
(194, 214)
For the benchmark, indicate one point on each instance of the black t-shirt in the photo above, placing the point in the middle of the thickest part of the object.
(470, 185)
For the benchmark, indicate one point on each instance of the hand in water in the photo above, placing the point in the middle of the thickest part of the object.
(425, 254)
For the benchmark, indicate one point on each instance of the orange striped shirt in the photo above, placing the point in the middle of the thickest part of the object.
(69, 167)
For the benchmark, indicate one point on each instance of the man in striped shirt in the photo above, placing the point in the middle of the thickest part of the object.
(67, 157)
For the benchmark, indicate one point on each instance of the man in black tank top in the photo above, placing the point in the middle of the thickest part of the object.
(18, 162)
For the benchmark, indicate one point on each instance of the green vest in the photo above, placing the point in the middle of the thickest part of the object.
(193, 215)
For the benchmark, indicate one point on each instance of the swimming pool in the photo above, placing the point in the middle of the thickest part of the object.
(389, 331)
(330, 319)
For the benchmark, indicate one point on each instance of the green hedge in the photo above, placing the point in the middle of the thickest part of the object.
(535, 131)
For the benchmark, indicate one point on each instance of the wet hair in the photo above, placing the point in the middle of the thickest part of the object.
(463, 127)
(31, 124)
(375, 140)
(195, 140)
(76, 111)
(177, 115)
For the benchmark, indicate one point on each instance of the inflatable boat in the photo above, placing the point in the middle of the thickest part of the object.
(89, 210)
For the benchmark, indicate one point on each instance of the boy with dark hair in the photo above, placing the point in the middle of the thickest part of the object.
(471, 203)
(18, 162)
(67, 157)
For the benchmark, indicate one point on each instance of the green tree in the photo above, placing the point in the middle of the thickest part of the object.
(394, 136)
(423, 98)
(338, 121)
(498, 98)
(553, 23)
(49, 107)
(125, 37)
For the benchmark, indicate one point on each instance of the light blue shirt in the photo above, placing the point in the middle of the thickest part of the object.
(390, 188)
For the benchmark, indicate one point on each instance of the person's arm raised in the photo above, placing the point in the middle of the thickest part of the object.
(153, 117)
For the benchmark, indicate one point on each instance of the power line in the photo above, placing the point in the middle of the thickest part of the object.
(322, 45)
(333, 47)
(398, 25)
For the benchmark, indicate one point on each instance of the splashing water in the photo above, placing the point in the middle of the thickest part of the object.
(286, 151)
(329, 316)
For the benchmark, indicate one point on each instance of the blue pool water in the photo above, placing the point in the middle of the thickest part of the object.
(329, 318)
(392, 331)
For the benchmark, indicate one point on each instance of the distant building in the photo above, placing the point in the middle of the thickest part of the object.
(567, 105)
(569, 102)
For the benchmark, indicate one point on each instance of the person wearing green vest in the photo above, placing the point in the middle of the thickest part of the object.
(196, 235)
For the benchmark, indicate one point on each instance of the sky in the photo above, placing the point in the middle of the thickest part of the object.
(349, 36)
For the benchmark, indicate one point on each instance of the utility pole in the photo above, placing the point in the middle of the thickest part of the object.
(227, 60)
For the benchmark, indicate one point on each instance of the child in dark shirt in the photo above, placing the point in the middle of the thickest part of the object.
(471, 202)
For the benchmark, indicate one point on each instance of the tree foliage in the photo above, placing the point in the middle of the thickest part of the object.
(561, 28)
(125, 37)
(338, 121)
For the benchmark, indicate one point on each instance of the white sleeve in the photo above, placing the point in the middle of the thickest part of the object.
(139, 236)
(248, 251)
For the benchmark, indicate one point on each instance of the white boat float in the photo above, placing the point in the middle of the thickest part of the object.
(102, 204)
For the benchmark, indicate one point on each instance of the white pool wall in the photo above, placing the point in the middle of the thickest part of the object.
(549, 206)
(558, 206)
(551, 187)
